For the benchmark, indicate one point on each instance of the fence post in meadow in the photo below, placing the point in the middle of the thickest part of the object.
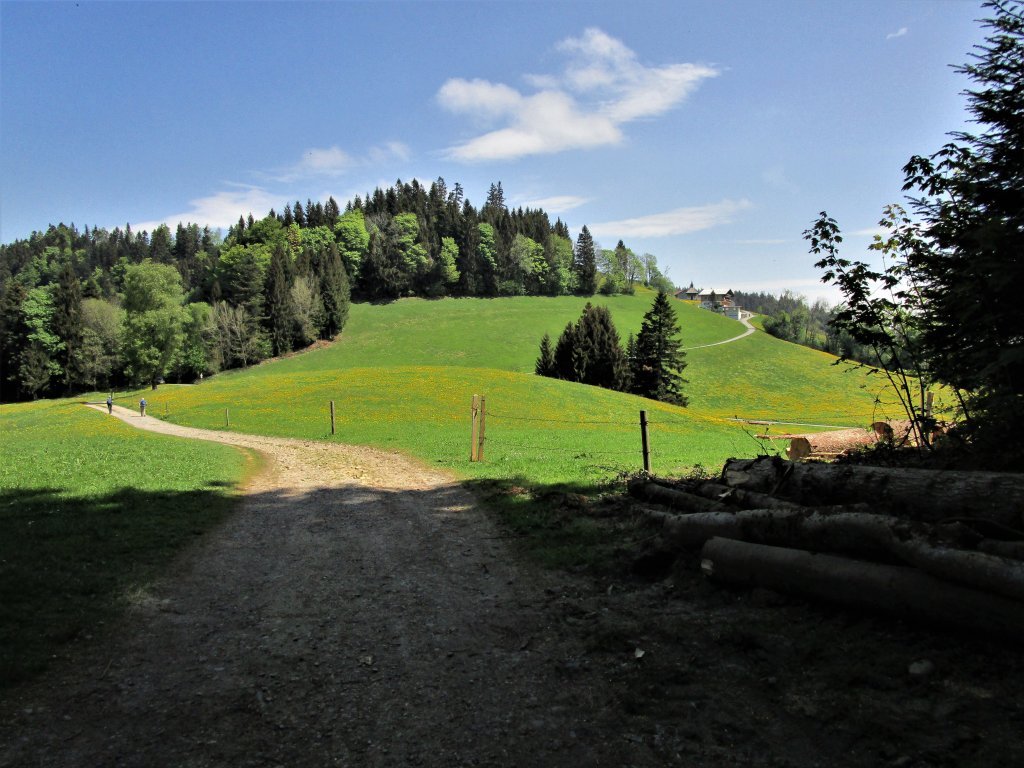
(227, 421)
(474, 415)
(332, 417)
(643, 441)
(483, 418)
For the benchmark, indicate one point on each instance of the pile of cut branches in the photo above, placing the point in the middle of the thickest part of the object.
(946, 547)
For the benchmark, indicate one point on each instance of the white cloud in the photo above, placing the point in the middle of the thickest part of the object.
(219, 210)
(680, 221)
(389, 152)
(333, 162)
(602, 87)
(868, 232)
(901, 32)
(557, 203)
(547, 122)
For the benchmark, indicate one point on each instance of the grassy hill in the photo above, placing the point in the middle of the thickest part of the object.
(403, 374)
(90, 508)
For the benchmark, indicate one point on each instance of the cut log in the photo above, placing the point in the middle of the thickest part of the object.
(861, 535)
(673, 499)
(737, 497)
(799, 448)
(922, 494)
(897, 590)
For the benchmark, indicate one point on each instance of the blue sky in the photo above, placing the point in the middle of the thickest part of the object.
(709, 134)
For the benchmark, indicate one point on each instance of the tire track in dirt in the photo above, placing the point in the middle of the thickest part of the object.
(358, 609)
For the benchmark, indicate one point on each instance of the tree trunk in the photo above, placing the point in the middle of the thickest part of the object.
(738, 497)
(673, 499)
(921, 494)
(858, 534)
(897, 590)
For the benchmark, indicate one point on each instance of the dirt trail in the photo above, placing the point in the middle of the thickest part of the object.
(360, 610)
(357, 610)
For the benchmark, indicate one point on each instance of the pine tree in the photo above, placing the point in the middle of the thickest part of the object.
(335, 293)
(279, 306)
(67, 325)
(564, 353)
(969, 266)
(545, 365)
(331, 212)
(606, 363)
(585, 264)
(656, 367)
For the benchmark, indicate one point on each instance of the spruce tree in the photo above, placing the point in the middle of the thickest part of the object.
(335, 293)
(656, 367)
(545, 365)
(67, 325)
(585, 264)
(279, 306)
(605, 364)
(969, 267)
(564, 368)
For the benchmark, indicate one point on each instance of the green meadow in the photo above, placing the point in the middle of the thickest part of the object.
(92, 509)
(402, 376)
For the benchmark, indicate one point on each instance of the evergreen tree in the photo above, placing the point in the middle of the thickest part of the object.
(968, 262)
(588, 352)
(331, 212)
(605, 361)
(14, 337)
(280, 309)
(66, 324)
(564, 351)
(657, 365)
(545, 365)
(585, 264)
(334, 292)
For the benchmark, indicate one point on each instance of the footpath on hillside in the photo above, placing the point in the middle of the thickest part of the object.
(360, 609)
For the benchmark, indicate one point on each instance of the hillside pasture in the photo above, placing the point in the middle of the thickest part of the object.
(403, 375)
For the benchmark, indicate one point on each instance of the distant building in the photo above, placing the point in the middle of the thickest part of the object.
(689, 294)
(713, 300)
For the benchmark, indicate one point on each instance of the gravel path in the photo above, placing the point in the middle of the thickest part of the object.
(750, 330)
(358, 610)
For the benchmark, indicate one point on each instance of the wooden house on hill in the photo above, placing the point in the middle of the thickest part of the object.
(688, 294)
(713, 300)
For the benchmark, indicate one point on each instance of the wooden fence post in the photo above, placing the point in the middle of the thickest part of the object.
(474, 430)
(483, 418)
(332, 417)
(227, 421)
(643, 441)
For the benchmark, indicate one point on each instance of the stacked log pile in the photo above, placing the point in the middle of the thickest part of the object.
(946, 547)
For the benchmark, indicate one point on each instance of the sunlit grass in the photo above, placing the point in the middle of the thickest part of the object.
(90, 509)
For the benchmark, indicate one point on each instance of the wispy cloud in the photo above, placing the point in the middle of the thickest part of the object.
(602, 87)
(334, 162)
(557, 203)
(680, 221)
(219, 210)
(901, 32)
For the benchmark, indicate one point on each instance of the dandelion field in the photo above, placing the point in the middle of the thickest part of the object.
(403, 375)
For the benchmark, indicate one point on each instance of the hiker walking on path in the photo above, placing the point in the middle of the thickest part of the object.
(110, 404)
(142, 407)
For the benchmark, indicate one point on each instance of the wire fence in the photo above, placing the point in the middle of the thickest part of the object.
(673, 440)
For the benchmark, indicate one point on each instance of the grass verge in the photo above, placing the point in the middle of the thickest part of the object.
(91, 516)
